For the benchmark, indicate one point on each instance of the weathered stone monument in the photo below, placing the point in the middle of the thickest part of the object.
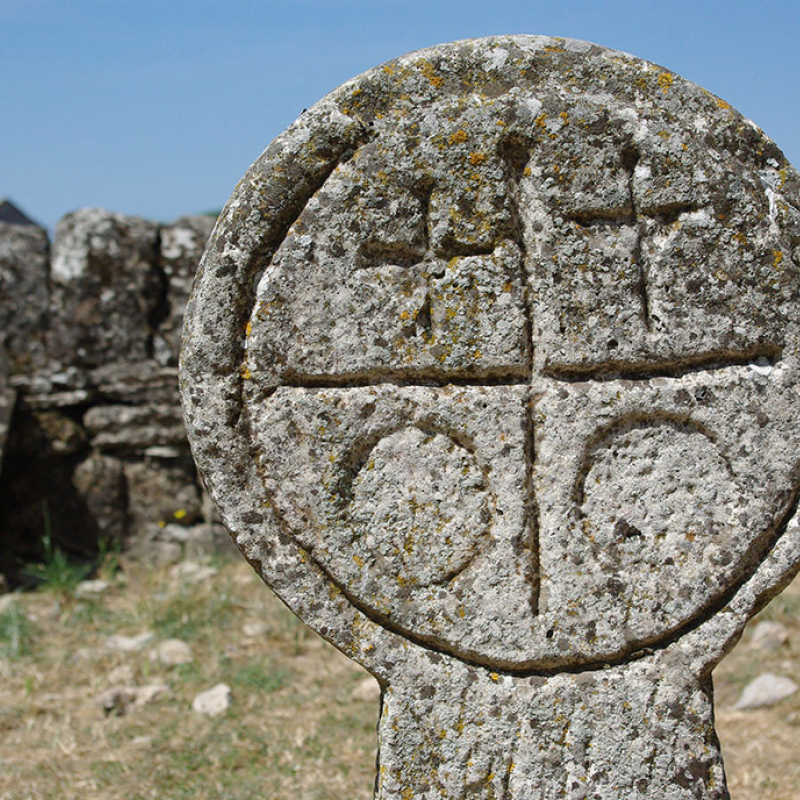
(492, 367)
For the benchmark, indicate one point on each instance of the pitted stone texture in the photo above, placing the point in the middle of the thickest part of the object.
(181, 245)
(106, 288)
(415, 501)
(640, 731)
(492, 367)
(24, 295)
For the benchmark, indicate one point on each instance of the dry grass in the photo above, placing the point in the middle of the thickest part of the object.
(293, 730)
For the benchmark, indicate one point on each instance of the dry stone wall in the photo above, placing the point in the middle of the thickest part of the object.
(90, 424)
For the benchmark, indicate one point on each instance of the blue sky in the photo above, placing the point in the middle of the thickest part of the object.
(156, 108)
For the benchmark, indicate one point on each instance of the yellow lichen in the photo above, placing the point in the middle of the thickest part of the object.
(722, 104)
(777, 257)
(477, 158)
(665, 80)
(245, 373)
(459, 137)
(180, 513)
(248, 329)
(429, 71)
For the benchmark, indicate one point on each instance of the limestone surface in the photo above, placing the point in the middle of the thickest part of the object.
(491, 366)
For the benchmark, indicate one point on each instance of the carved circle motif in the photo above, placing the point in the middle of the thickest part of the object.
(420, 506)
(467, 232)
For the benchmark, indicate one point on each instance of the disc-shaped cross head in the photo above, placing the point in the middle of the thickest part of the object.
(493, 354)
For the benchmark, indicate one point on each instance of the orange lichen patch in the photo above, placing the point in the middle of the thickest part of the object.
(477, 158)
(429, 71)
(540, 120)
(665, 80)
(387, 69)
(777, 257)
(244, 373)
(248, 329)
(459, 137)
(565, 117)
(722, 104)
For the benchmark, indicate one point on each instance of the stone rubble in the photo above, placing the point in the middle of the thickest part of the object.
(119, 700)
(766, 690)
(92, 589)
(213, 701)
(769, 635)
(171, 653)
(129, 644)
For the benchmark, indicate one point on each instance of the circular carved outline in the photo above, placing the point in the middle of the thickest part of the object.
(248, 231)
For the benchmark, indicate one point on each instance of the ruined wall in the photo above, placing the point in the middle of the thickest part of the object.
(91, 433)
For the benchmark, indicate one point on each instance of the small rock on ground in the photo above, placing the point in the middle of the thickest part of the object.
(769, 635)
(120, 699)
(121, 675)
(171, 652)
(214, 701)
(8, 601)
(367, 689)
(129, 644)
(766, 690)
(89, 590)
(192, 572)
(255, 628)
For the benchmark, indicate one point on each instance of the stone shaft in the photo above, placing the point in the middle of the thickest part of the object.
(634, 731)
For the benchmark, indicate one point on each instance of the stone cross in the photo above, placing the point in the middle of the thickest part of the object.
(491, 366)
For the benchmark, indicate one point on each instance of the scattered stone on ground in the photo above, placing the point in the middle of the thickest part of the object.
(769, 635)
(171, 652)
(91, 590)
(255, 628)
(766, 690)
(120, 699)
(8, 601)
(129, 644)
(368, 690)
(142, 741)
(121, 675)
(214, 701)
(193, 572)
